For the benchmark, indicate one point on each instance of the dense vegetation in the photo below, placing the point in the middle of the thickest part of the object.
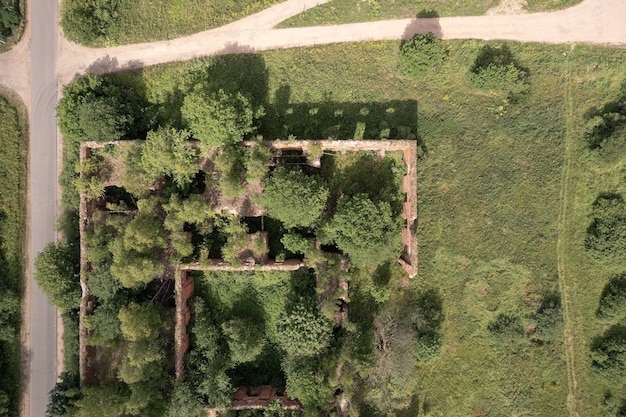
(10, 22)
(348, 11)
(103, 22)
(13, 141)
(489, 205)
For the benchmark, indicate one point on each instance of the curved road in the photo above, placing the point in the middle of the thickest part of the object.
(33, 70)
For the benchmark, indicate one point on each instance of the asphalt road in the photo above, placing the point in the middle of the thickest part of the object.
(43, 196)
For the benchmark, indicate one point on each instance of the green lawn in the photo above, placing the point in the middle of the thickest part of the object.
(150, 20)
(491, 189)
(13, 141)
(348, 11)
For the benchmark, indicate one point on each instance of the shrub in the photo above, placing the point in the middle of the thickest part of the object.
(10, 16)
(506, 326)
(613, 299)
(606, 235)
(419, 54)
(57, 274)
(608, 354)
(496, 69)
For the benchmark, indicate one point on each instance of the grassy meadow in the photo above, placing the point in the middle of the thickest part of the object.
(505, 189)
(156, 20)
(13, 162)
(349, 11)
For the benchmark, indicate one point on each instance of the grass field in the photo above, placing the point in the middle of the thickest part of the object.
(12, 233)
(500, 182)
(155, 20)
(348, 11)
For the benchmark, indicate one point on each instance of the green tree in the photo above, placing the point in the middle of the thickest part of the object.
(168, 151)
(143, 362)
(102, 284)
(103, 118)
(184, 402)
(294, 198)
(257, 162)
(218, 118)
(419, 54)
(62, 397)
(142, 321)
(303, 332)
(245, 341)
(307, 383)
(365, 231)
(57, 274)
(105, 325)
(193, 210)
(108, 400)
(393, 378)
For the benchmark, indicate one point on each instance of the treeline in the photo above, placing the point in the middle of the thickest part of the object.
(13, 142)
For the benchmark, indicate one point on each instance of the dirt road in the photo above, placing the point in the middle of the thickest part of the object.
(593, 21)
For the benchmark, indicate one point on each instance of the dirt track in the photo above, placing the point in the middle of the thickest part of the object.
(593, 21)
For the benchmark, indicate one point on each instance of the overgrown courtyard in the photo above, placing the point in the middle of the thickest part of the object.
(520, 199)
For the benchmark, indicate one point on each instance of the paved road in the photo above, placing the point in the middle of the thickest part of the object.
(43, 196)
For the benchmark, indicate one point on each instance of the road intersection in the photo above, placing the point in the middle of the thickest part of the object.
(43, 61)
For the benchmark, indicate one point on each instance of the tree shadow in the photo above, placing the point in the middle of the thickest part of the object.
(499, 56)
(106, 64)
(426, 21)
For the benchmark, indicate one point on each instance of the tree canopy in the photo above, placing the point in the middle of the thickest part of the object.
(103, 118)
(294, 198)
(57, 274)
(365, 231)
(303, 332)
(218, 118)
(167, 151)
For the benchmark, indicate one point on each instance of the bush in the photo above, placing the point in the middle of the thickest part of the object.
(88, 21)
(10, 17)
(496, 69)
(608, 354)
(419, 54)
(606, 235)
(506, 326)
(613, 299)
(549, 318)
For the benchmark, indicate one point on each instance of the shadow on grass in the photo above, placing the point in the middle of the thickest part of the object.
(396, 119)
